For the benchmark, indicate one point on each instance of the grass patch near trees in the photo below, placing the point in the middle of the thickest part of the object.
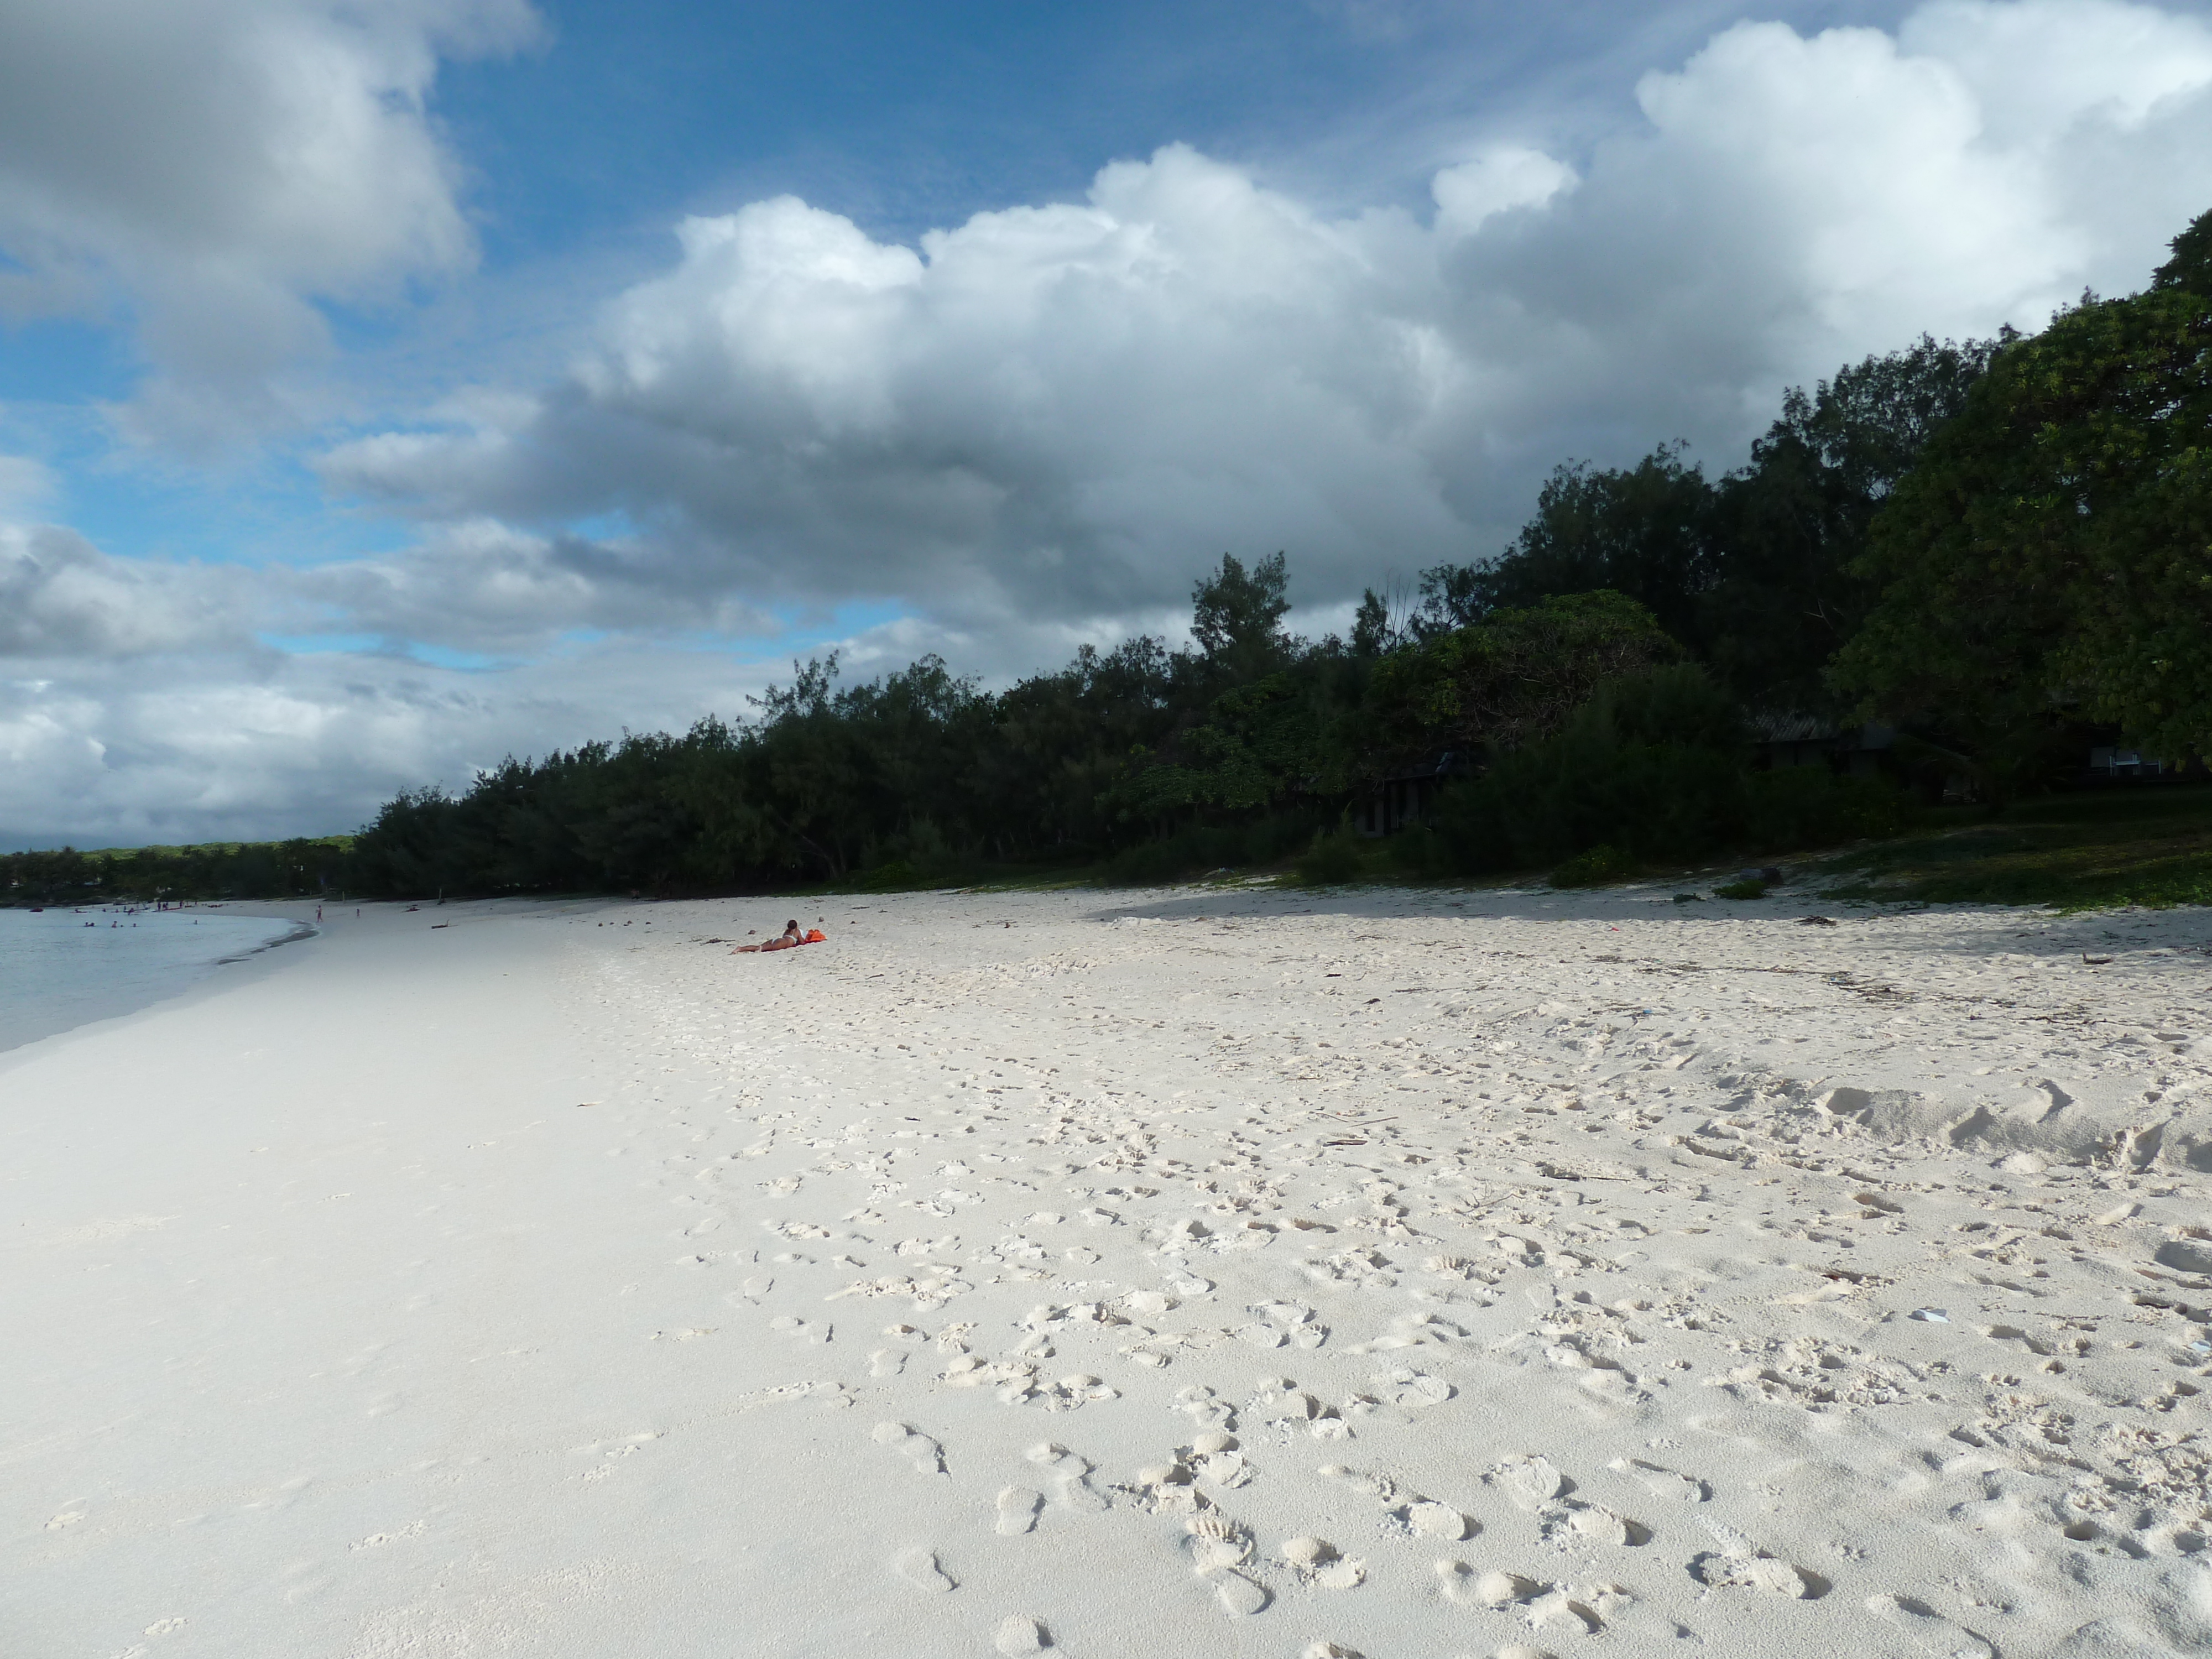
(2149, 846)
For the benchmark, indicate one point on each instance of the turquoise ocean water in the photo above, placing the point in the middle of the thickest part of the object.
(57, 971)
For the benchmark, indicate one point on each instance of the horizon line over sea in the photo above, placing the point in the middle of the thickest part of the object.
(62, 968)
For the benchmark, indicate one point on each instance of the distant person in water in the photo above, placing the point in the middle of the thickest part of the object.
(787, 939)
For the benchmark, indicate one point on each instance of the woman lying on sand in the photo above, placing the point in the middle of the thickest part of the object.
(784, 941)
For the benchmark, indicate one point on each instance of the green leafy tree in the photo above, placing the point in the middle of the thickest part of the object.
(1063, 740)
(1640, 531)
(2052, 550)
(1257, 749)
(1499, 683)
(1649, 763)
(1243, 724)
(1372, 632)
(1236, 618)
(1788, 529)
(1753, 574)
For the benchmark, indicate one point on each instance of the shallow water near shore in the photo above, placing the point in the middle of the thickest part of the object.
(61, 969)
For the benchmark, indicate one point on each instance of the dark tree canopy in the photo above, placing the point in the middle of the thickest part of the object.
(1236, 616)
(2052, 553)
(2189, 266)
(1789, 529)
(1641, 530)
(1506, 681)
(1754, 572)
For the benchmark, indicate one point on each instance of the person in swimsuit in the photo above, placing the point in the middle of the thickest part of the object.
(784, 941)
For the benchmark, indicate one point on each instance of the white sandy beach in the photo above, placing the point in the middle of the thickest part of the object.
(1194, 1273)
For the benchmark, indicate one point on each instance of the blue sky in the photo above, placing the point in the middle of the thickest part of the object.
(382, 390)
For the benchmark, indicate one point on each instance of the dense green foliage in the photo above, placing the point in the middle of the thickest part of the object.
(1508, 680)
(147, 875)
(2052, 556)
(1235, 752)
(1650, 769)
(1756, 573)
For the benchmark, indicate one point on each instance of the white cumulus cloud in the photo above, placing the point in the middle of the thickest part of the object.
(216, 169)
(62, 599)
(1060, 412)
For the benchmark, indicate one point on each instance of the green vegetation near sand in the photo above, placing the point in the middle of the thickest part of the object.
(2142, 847)
(300, 868)
(2147, 845)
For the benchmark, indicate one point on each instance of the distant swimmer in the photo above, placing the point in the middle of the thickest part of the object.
(787, 939)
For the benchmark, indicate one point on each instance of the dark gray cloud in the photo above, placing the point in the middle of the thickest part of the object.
(63, 599)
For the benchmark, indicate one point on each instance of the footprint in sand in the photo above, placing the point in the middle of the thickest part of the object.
(1531, 1481)
(1427, 1518)
(1240, 1598)
(1294, 1320)
(891, 1360)
(1739, 1563)
(1017, 1510)
(1610, 1601)
(1215, 1457)
(917, 1448)
(1296, 1408)
(1463, 1587)
(1167, 1487)
(1561, 1613)
(1934, 1632)
(1319, 1562)
(920, 1568)
(1205, 1408)
(1216, 1542)
(1018, 1634)
(1411, 1390)
(1219, 1546)
(1661, 1482)
(1380, 1487)
(1072, 1488)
